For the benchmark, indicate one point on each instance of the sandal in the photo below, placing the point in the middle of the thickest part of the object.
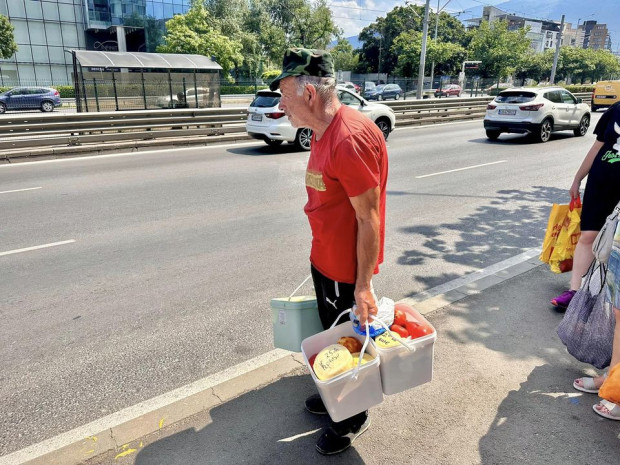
(587, 385)
(607, 409)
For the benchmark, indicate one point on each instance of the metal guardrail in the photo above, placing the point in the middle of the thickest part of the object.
(58, 134)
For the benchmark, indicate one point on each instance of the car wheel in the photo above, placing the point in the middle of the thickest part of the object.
(380, 97)
(273, 143)
(492, 134)
(384, 125)
(303, 138)
(47, 106)
(584, 124)
(397, 96)
(2, 108)
(544, 132)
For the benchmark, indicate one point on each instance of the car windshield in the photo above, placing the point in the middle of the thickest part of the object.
(266, 101)
(515, 96)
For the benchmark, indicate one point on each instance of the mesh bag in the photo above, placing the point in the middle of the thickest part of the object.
(588, 324)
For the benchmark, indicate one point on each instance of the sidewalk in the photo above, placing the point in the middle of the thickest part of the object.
(501, 394)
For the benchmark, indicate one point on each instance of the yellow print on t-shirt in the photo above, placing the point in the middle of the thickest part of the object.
(314, 179)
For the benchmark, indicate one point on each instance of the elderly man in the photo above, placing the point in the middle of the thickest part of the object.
(345, 181)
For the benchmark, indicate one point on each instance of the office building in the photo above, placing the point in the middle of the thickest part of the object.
(45, 30)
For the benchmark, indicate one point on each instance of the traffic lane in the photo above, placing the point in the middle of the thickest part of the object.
(445, 226)
(146, 301)
(130, 314)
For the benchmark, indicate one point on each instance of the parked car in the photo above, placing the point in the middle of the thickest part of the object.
(448, 90)
(268, 123)
(351, 86)
(183, 101)
(536, 111)
(384, 91)
(605, 94)
(28, 98)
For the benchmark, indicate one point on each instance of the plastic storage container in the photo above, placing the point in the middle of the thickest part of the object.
(294, 319)
(403, 369)
(342, 395)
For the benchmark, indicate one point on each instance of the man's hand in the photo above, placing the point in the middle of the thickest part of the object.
(574, 190)
(366, 305)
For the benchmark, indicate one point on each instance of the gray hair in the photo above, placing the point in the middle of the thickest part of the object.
(325, 86)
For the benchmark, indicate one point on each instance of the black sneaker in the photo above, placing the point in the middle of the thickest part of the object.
(339, 437)
(314, 404)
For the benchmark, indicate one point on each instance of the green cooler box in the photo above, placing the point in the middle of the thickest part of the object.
(294, 319)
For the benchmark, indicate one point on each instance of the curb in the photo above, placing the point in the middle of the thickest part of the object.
(115, 432)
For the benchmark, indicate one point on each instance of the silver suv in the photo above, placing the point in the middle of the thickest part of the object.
(268, 123)
(536, 111)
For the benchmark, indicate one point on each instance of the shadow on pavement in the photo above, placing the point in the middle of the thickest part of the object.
(264, 426)
(543, 424)
(265, 149)
(507, 225)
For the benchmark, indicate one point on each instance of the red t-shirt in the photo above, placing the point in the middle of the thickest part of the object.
(349, 159)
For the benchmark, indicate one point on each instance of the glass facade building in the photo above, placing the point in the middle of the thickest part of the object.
(45, 30)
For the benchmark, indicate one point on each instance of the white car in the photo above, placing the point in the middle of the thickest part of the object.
(536, 111)
(268, 123)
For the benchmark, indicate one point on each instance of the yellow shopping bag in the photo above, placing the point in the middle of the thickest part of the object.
(561, 259)
(554, 225)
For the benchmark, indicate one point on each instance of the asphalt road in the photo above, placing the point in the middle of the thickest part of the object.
(167, 261)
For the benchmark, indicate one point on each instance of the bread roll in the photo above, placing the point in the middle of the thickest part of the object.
(351, 343)
(332, 361)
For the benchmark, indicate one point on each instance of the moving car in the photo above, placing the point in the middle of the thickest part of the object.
(268, 123)
(448, 90)
(351, 86)
(536, 111)
(180, 101)
(605, 94)
(384, 91)
(28, 98)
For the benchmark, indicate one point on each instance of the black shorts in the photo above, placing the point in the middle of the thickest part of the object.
(332, 298)
(599, 200)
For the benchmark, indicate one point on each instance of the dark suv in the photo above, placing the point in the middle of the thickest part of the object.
(28, 98)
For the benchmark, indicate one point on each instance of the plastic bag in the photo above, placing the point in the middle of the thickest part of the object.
(556, 218)
(385, 313)
(561, 259)
(588, 324)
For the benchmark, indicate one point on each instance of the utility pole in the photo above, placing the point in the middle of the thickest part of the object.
(423, 52)
(557, 53)
(435, 39)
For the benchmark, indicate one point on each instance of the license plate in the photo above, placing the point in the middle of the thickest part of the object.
(257, 117)
(507, 112)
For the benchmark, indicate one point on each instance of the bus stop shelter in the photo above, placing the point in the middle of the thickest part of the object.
(108, 81)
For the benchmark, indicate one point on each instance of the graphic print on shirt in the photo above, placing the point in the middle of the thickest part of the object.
(314, 179)
(613, 156)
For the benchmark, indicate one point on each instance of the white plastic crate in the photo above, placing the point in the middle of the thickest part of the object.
(342, 395)
(403, 369)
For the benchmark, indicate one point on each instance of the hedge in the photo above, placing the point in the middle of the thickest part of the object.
(233, 90)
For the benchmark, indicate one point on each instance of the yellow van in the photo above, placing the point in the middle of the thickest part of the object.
(605, 94)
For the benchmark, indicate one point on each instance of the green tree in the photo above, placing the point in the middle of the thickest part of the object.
(408, 46)
(378, 38)
(197, 32)
(7, 38)
(305, 23)
(535, 66)
(344, 57)
(499, 49)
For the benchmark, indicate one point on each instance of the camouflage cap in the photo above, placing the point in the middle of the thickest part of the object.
(305, 62)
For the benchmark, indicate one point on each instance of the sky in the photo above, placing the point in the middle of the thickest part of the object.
(353, 15)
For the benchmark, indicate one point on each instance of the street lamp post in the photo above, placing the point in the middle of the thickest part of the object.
(423, 52)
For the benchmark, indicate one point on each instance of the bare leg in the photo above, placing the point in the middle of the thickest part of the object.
(583, 258)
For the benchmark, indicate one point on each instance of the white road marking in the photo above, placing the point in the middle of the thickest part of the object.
(460, 169)
(36, 247)
(124, 154)
(21, 190)
(297, 436)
